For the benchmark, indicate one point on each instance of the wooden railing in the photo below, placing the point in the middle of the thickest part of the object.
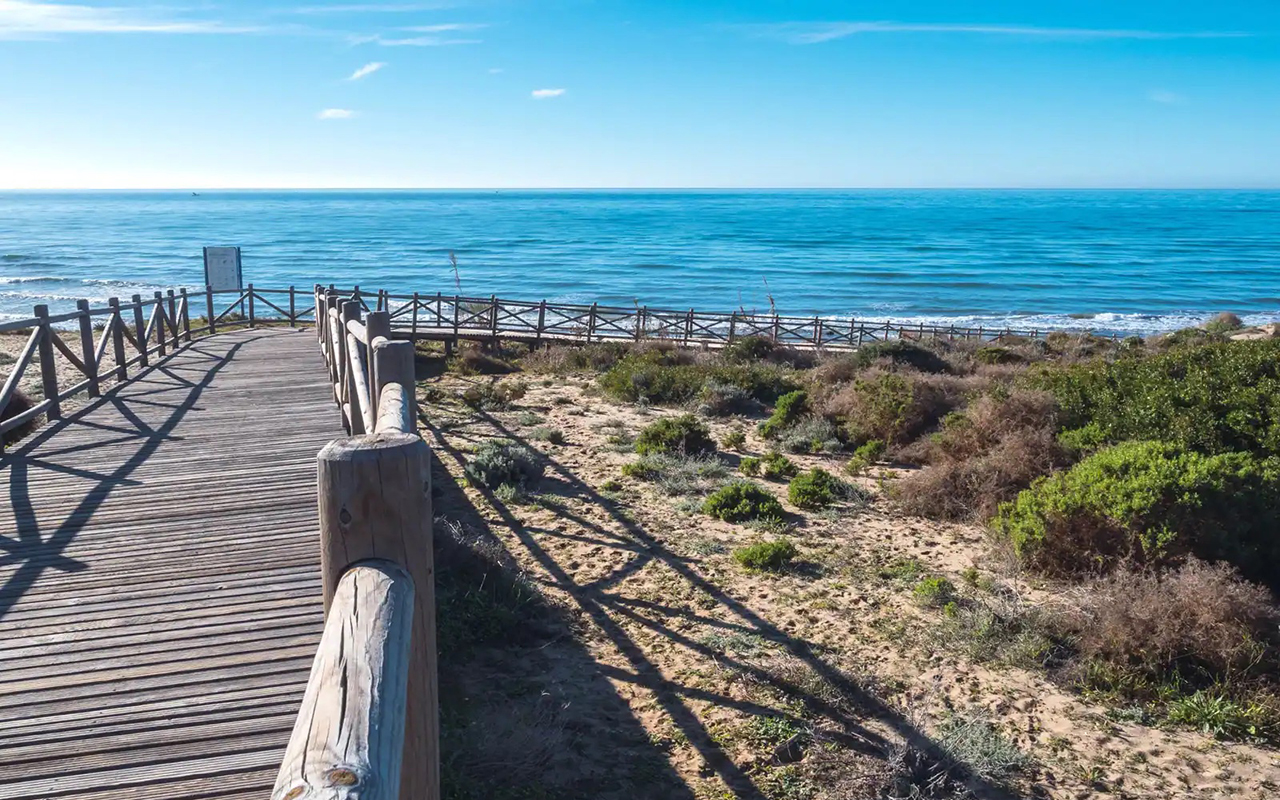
(368, 723)
(452, 317)
(127, 335)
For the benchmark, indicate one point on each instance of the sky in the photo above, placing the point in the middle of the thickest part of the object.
(189, 94)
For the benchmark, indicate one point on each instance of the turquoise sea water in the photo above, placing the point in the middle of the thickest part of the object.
(1111, 260)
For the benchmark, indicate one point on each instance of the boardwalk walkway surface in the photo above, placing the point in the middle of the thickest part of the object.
(160, 599)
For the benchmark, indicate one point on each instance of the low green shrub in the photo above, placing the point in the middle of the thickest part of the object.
(818, 488)
(749, 349)
(733, 439)
(718, 399)
(684, 435)
(1219, 397)
(545, 433)
(811, 435)
(749, 465)
(773, 556)
(1223, 323)
(992, 354)
(494, 396)
(476, 361)
(1224, 717)
(934, 591)
(646, 377)
(895, 407)
(788, 410)
(741, 501)
(871, 450)
(678, 474)
(777, 467)
(1152, 503)
(497, 462)
(901, 353)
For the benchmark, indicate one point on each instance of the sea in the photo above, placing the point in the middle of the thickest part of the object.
(1111, 261)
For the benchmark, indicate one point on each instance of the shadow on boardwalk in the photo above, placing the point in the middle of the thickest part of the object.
(862, 731)
(31, 543)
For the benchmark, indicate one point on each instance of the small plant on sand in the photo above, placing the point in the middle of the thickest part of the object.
(733, 439)
(934, 591)
(498, 462)
(545, 433)
(818, 488)
(777, 467)
(529, 418)
(773, 556)
(811, 435)
(684, 435)
(979, 748)
(742, 501)
(677, 474)
(788, 410)
(494, 396)
(749, 465)
(719, 399)
(867, 454)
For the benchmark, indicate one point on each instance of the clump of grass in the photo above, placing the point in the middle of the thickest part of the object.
(475, 361)
(934, 591)
(818, 488)
(545, 433)
(741, 501)
(679, 475)
(865, 455)
(720, 399)
(976, 745)
(494, 396)
(811, 435)
(1224, 717)
(683, 435)
(771, 556)
(529, 418)
(733, 439)
(497, 462)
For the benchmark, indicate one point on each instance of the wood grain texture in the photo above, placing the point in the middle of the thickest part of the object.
(375, 503)
(160, 593)
(349, 736)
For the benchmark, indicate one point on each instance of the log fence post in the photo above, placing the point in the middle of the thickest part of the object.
(158, 316)
(173, 318)
(293, 311)
(376, 324)
(413, 320)
(48, 370)
(87, 351)
(542, 320)
(250, 293)
(185, 306)
(117, 339)
(733, 325)
(591, 321)
(208, 308)
(140, 329)
(375, 503)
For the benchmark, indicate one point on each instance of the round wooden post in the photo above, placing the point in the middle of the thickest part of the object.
(208, 308)
(173, 318)
(117, 338)
(393, 365)
(376, 323)
(159, 318)
(185, 307)
(293, 319)
(250, 293)
(140, 329)
(375, 503)
(48, 370)
(87, 353)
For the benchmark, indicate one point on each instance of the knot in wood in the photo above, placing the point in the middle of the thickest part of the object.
(341, 776)
(345, 517)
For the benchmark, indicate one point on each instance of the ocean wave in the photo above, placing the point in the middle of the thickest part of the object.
(1132, 324)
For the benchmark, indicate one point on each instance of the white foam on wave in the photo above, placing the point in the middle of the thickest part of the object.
(1132, 324)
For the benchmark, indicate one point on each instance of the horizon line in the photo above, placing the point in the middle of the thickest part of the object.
(995, 188)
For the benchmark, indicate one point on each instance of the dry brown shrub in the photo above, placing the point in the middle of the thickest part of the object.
(983, 458)
(19, 403)
(895, 406)
(1198, 615)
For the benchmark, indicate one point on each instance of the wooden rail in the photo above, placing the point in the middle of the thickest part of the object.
(128, 335)
(439, 316)
(368, 725)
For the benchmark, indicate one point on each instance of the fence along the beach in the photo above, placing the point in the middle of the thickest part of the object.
(453, 317)
(368, 724)
(127, 335)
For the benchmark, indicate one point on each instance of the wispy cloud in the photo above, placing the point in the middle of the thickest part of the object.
(816, 32)
(495, 70)
(372, 8)
(544, 94)
(31, 19)
(367, 70)
(1165, 96)
(444, 27)
(336, 113)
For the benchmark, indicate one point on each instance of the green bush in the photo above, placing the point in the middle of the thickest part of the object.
(718, 399)
(902, 353)
(1215, 398)
(771, 556)
(1154, 503)
(811, 435)
(545, 433)
(818, 488)
(997, 355)
(934, 591)
(494, 396)
(645, 376)
(871, 450)
(678, 474)
(684, 435)
(742, 501)
(750, 348)
(498, 462)
(777, 467)
(749, 466)
(788, 410)
(733, 439)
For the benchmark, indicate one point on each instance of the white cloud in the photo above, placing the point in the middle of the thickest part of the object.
(367, 70)
(446, 26)
(372, 8)
(412, 41)
(813, 33)
(336, 113)
(543, 94)
(25, 19)
(1165, 96)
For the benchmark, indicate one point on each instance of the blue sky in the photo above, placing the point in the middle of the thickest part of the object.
(606, 93)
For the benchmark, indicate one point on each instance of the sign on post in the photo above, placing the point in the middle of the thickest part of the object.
(222, 269)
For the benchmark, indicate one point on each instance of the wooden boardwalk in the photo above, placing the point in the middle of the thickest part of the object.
(160, 599)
